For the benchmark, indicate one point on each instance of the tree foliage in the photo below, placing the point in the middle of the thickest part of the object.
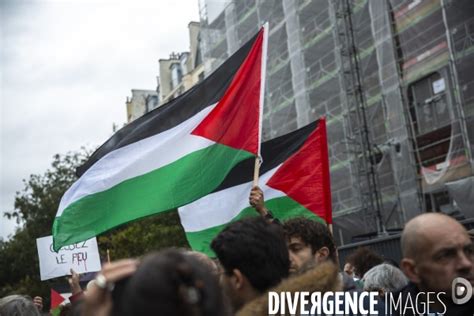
(138, 238)
(35, 208)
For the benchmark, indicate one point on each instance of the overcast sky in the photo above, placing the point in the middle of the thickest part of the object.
(67, 67)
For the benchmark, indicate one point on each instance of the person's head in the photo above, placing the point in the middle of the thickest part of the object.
(363, 259)
(172, 282)
(384, 278)
(309, 243)
(18, 305)
(253, 258)
(436, 249)
(208, 262)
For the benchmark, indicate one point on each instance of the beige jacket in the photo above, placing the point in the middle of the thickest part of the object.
(322, 278)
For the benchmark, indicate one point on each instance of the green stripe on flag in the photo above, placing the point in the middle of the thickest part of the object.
(171, 186)
(56, 311)
(282, 208)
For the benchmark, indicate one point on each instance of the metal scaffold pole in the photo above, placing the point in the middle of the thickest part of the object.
(356, 107)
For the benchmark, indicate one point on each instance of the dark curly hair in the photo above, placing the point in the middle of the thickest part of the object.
(172, 282)
(312, 233)
(363, 259)
(257, 248)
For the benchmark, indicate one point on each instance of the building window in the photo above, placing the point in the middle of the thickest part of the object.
(432, 117)
(428, 104)
(176, 75)
(151, 102)
(198, 58)
(183, 61)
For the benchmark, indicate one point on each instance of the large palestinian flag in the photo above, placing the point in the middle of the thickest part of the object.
(171, 156)
(295, 182)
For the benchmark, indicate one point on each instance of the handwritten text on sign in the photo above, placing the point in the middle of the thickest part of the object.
(82, 257)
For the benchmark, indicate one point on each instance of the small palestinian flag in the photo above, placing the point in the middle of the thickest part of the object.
(173, 155)
(295, 182)
(56, 300)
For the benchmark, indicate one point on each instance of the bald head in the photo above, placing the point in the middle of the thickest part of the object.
(436, 250)
(424, 230)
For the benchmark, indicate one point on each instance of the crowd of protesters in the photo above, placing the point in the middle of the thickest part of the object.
(261, 254)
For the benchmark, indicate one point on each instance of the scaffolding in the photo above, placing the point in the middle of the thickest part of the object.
(395, 80)
(359, 133)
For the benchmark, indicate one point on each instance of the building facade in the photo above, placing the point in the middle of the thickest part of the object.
(177, 74)
(141, 102)
(183, 70)
(395, 80)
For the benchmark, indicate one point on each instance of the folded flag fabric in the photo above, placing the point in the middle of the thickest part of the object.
(294, 179)
(172, 155)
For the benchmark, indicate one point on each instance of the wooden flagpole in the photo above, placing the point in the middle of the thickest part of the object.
(256, 171)
(263, 71)
(330, 229)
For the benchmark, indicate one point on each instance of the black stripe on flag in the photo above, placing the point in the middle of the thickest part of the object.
(274, 152)
(171, 114)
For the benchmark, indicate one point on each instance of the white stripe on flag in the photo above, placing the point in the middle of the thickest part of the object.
(221, 207)
(138, 158)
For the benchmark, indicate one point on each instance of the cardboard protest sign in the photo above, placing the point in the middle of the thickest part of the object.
(82, 257)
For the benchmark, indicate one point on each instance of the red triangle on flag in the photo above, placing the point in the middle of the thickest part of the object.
(235, 121)
(56, 299)
(304, 176)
